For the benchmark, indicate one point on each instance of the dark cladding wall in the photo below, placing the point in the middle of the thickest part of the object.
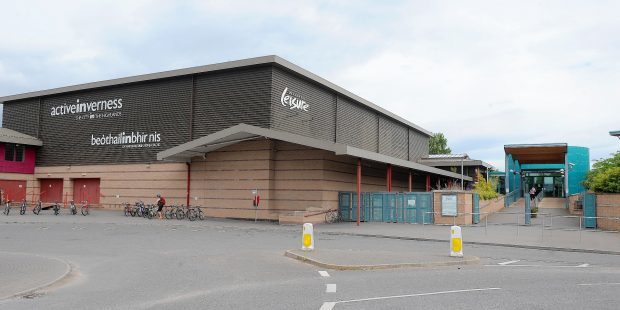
(22, 116)
(157, 111)
(418, 145)
(317, 120)
(329, 116)
(225, 99)
(160, 113)
(357, 126)
(393, 139)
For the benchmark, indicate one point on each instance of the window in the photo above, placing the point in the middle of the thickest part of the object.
(14, 152)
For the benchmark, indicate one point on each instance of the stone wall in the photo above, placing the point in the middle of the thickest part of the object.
(575, 205)
(464, 207)
(488, 207)
(608, 205)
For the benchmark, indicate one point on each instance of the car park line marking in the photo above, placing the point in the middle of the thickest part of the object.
(597, 284)
(330, 305)
(509, 262)
(330, 288)
(547, 266)
(323, 273)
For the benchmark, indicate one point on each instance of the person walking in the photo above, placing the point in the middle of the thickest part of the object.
(532, 193)
(161, 202)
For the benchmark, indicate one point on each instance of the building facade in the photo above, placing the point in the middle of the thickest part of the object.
(210, 135)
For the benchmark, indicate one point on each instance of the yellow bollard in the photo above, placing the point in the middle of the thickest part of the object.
(456, 242)
(307, 237)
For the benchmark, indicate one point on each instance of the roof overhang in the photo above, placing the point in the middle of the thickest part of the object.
(244, 132)
(12, 136)
(615, 133)
(452, 163)
(551, 153)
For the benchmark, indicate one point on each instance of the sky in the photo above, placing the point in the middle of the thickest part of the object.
(483, 73)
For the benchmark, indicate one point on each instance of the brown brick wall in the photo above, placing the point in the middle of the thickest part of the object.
(464, 205)
(573, 207)
(289, 178)
(608, 205)
(490, 206)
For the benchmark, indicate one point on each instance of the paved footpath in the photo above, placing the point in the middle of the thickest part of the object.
(503, 235)
(25, 273)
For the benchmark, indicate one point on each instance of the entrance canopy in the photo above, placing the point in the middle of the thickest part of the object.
(552, 153)
(243, 132)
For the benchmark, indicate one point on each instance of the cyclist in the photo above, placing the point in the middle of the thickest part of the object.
(161, 202)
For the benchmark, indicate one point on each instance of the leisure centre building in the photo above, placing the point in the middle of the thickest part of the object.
(210, 136)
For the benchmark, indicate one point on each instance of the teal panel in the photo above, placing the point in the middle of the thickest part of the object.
(410, 208)
(579, 157)
(476, 209)
(387, 207)
(345, 205)
(542, 166)
(589, 210)
(424, 203)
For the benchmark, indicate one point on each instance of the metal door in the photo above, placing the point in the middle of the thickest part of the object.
(589, 210)
(51, 190)
(86, 190)
(476, 209)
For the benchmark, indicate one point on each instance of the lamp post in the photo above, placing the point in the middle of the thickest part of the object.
(462, 158)
(615, 133)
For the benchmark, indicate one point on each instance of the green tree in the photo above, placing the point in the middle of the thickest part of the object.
(486, 190)
(605, 175)
(438, 144)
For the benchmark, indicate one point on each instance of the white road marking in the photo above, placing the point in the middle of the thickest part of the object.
(583, 265)
(596, 284)
(330, 288)
(547, 266)
(324, 273)
(330, 305)
(509, 262)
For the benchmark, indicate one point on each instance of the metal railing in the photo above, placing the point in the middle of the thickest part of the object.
(511, 198)
(546, 222)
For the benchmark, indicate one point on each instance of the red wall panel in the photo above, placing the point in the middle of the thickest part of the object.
(51, 190)
(13, 190)
(86, 190)
(26, 166)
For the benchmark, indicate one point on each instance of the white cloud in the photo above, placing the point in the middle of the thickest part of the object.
(482, 72)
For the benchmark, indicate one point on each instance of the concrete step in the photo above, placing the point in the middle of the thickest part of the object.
(552, 203)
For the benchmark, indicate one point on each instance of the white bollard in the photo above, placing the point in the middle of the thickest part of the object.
(456, 242)
(307, 237)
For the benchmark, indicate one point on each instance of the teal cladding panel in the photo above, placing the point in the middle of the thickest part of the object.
(580, 158)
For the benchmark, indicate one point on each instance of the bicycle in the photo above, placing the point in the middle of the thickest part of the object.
(128, 208)
(195, 213)
(7, 208)
(137, 209)
(37, 208)
(181, 213)
(151, 211)
(170, 212)
(56, 208)
(333, 216)
(22, 208)
(72, 208)
(84, 209)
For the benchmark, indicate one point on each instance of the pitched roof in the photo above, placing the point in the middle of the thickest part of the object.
(12, 136)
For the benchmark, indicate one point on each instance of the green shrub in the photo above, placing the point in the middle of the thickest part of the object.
(605, 175)
(486, 190)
